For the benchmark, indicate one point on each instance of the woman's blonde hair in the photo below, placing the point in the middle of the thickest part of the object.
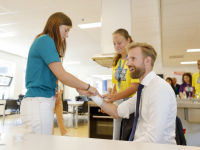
(52, 29)
(126, 35)
(147, 50)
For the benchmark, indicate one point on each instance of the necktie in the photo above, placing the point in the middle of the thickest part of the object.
(139, 91)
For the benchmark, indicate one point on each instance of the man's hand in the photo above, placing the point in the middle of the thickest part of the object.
(103, 111)
(109, 97)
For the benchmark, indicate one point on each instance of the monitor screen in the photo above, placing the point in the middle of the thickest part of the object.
(161, 75)
(5, 80)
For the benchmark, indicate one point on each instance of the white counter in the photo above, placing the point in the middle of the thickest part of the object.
(187, 103)
(2, 106)
(50, 142)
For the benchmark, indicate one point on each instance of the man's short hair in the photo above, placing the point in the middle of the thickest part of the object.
(147, 50)
(174, 79)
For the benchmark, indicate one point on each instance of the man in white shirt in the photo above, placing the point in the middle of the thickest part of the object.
(157, 106)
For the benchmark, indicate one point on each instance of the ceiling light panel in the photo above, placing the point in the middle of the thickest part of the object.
(189, 62)
(193, 50)
(90, 25)
(6, 35)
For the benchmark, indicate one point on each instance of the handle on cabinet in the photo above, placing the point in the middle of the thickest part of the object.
(103, 117)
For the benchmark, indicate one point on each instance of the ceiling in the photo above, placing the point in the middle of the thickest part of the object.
(176, 31)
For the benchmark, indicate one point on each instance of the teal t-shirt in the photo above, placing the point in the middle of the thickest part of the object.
(40, 80)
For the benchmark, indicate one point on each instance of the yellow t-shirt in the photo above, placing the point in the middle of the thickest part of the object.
(125, 77)
(195, 84)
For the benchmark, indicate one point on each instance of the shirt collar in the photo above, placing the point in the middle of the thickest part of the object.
(147, 79)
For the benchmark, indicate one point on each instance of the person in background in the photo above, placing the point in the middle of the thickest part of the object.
(154, 104)
(124, 87)
(169, 80)
(186, 86)
(176, 86)
(59, 110)
(109, 90)
(44, 68)
(196, 81)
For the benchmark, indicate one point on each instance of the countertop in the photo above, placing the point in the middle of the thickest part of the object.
(52, 142)
(181, 103)
(187, 103)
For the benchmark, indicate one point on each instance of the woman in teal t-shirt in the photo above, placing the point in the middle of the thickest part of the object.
(43, 69)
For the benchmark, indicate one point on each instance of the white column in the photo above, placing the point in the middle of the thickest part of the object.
(115, 14)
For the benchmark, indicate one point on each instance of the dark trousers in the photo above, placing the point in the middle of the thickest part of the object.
(126, 127)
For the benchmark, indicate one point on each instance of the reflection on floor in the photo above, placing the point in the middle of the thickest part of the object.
(14, 125)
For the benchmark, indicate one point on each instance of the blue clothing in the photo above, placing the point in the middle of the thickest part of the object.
(40, 80)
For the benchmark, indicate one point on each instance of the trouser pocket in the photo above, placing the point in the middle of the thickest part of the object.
(26, 111)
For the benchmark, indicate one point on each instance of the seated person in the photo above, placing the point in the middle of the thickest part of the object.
(154, 104)
(186, 86)
(169, 80)
(176, 86)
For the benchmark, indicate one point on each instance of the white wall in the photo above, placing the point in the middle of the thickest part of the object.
(109, 83)
(169, 71)
(18, 63)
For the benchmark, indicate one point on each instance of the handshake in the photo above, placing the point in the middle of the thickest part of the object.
(96, 97)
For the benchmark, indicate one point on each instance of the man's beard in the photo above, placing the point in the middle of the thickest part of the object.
(138, 73)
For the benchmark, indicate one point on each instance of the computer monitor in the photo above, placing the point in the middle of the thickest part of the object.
(5, 80)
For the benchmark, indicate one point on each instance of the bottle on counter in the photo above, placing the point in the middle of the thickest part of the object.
(3, 96)
(184, 95)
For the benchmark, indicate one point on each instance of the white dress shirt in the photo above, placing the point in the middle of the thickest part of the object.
(157, 111)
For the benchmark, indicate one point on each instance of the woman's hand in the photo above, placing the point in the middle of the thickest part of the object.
(84, 92)
(57, 101)
(94, 91)
(109, 97)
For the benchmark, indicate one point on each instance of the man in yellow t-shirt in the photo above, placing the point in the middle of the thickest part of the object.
(196, 80)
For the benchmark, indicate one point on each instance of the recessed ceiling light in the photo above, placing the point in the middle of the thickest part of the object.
(6, 35)
(90, 25)
(75, 62)
(193, 50)
(189, 62)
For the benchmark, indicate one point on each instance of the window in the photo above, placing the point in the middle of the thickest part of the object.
(5, 69)
(24, 83)
(99, 86)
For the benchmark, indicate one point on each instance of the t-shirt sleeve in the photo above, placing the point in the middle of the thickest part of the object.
(181, 88)
(135, 81)
(47, 50)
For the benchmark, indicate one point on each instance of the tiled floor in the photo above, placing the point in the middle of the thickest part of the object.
(13, 126)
